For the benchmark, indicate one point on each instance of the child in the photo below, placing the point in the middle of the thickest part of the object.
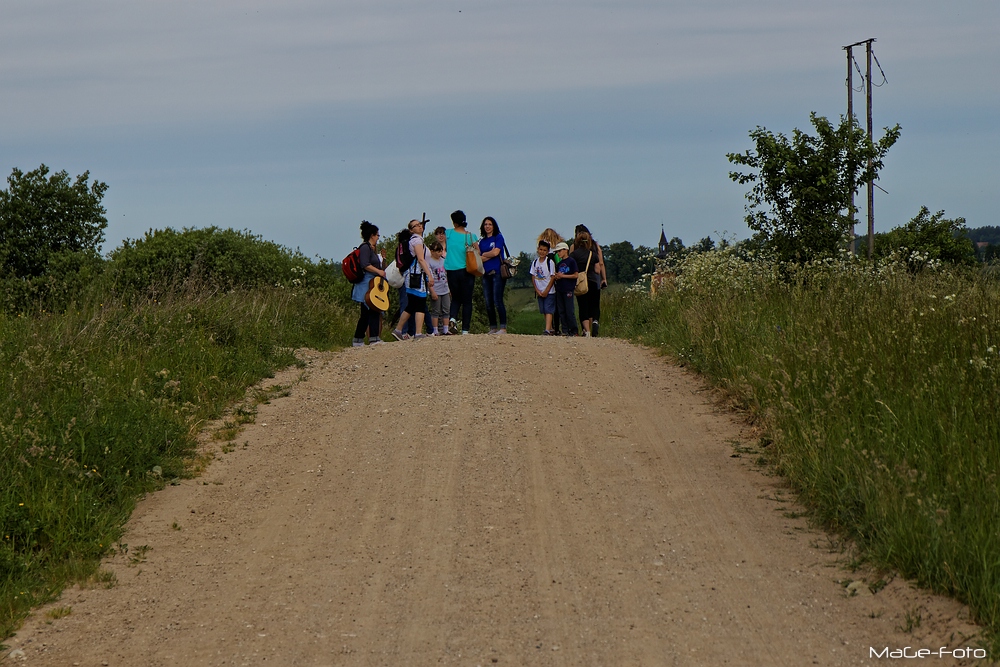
(543, 274)
(565, 283)
(439, 234)
(440, 294)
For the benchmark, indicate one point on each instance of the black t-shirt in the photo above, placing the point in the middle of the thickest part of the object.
(581, 254)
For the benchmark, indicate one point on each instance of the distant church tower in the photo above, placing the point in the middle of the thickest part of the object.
(662, 254)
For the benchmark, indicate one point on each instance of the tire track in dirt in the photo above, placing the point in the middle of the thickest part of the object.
(591, 513)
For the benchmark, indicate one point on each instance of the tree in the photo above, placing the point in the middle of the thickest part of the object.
(43, 216)
(704, 245)
(804, 185)
(929, 237)
(627, 264)
(621, 262)
(523, 277)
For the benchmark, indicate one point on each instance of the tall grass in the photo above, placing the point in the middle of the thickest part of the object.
(879, 388)
(103, 402)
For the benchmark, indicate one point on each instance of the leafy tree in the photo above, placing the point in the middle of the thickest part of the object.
(625, 263)
(675, 246)
(523, 277)
(621, 262)
(704, 245)
(929, 237)
(800, 200)
(42, 216)
(989, 233)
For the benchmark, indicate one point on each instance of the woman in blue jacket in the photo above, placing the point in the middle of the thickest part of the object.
(491, 247)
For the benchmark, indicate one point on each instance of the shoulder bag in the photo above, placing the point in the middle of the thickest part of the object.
(508, 265)
(473, 260)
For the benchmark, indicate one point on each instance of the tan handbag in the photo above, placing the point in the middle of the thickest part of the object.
(473, 260)
(582, 286)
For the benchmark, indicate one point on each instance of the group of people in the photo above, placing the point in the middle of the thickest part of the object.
(557, 275)
(438, 286)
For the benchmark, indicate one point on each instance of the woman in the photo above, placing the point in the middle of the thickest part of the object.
(371, 265)
(417, 281)
(601, 272)
(460, 281)
(491, 247)
(585, 255)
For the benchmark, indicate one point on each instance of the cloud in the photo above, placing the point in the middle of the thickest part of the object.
(117, 62)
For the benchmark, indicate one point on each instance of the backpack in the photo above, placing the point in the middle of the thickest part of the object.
(404, 258)
(351, 266)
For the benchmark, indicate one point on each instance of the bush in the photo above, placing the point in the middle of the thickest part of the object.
(928, 239)
(68, 276)
(165, 259)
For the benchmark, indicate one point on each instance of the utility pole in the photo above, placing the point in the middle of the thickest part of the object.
(871, 182)
(850, 114)
(850, 119)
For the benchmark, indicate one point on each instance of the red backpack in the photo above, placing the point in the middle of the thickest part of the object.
(351, 266)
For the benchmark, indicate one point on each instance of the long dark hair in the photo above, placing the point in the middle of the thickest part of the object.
(482, 226)
(367, 230)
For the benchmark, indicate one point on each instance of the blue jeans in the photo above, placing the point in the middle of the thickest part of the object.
(493, 286)
(567, 315)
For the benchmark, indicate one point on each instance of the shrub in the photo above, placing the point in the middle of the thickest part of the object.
(928, 239)
(166, 259)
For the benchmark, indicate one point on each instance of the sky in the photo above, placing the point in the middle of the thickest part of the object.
(296, 120)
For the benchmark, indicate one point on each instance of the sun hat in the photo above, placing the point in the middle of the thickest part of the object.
(561, 246)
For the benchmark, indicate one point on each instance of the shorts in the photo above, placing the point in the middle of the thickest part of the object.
(547, 304)
(415, 304)
(441, 307)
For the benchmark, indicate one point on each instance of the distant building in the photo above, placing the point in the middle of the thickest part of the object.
(662, 252)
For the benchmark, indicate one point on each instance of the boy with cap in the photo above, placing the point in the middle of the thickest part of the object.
(565, 283)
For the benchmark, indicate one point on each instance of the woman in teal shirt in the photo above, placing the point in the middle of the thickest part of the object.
(460, 282)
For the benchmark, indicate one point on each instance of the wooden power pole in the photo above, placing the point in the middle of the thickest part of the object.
(850, 115)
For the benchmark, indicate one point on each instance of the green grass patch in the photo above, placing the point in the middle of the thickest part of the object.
(522, 312)
(880, 392)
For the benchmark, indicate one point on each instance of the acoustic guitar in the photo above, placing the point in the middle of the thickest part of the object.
(377, 296)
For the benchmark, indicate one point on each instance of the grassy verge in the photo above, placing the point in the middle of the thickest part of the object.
(879, 392)
(522, 312)
(103, 402)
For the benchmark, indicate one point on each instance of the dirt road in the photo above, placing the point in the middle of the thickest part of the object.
(484, 500)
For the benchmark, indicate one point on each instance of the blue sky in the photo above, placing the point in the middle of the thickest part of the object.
(298, 119)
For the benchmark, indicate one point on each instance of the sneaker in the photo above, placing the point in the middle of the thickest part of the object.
(405, 336)
(420, 336)
(465, 333)
(586, 334)
(453, 326)
(434, 333)
(358, 342)
(491, 331)
(398, 335)
(593, 329)
(377, 341)
(502, 330)
(546, 332)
